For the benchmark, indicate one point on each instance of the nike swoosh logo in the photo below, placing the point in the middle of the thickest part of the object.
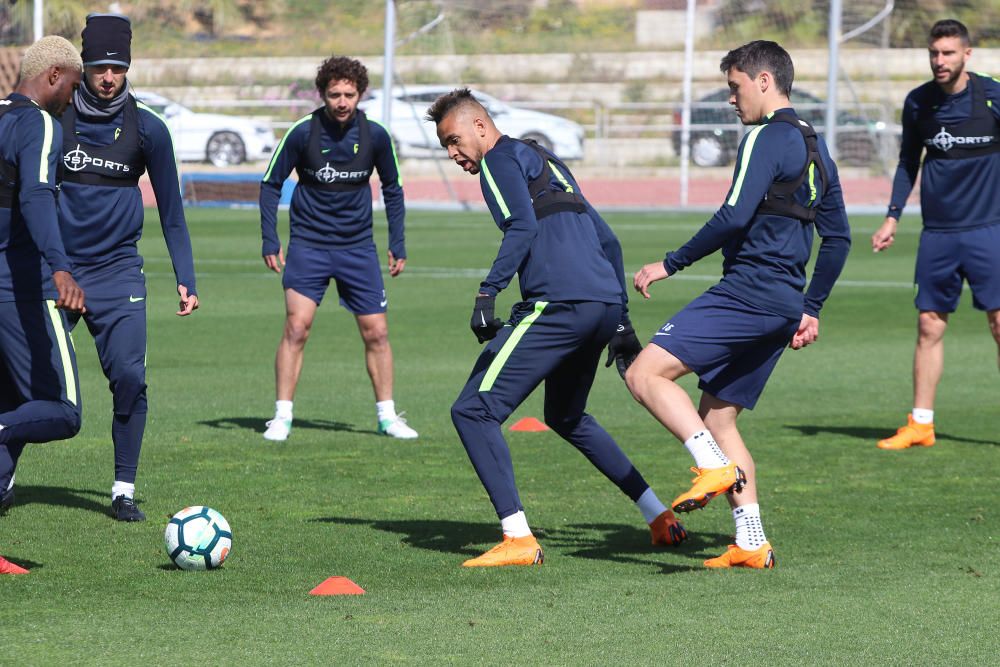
(483, 318)
(660, 334)
(136, 299)
(111, 53)
(325, 150)
(383, 304)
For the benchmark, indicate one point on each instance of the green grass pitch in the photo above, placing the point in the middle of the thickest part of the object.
(883, 557)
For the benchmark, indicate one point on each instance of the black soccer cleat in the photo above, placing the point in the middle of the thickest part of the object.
(6, 500)
(124, 508)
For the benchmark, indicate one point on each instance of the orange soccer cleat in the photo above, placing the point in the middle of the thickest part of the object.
(512, 551)
(6, 567)
(909, 435)
(667, 530)
(708, 483)
(761, 558)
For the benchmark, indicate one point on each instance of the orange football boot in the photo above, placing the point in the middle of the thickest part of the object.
(6, 567)
(512, 551)
(909, 435)
(761, 558)
(667, 530)
(708, 483)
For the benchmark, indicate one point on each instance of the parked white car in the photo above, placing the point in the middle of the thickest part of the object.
(415, 137)
(217, 138)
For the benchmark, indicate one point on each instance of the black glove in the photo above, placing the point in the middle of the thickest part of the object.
(623, 348)
(484, 324)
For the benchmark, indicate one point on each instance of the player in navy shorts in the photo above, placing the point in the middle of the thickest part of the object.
(334, 150)
(954, 122)
(785, 187)
(573, 304)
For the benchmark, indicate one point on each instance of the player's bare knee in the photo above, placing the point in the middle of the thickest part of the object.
(376, 337)
(297, 331)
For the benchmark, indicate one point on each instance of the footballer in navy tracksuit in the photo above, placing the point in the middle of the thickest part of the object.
(334, 150)
(109, 140)
(952, 121)
(39, 394)
(573, 303)
(785, 188)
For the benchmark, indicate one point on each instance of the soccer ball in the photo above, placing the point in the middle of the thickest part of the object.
(198, 538)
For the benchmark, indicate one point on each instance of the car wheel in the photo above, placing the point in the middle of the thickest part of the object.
(707, 150)
(542, 140)
(225, 149)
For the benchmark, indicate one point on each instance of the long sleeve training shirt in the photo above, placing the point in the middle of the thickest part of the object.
(102, 224)
(30, 245)
(954, 194)
(325, 219)
(566, 256)
(765, 256)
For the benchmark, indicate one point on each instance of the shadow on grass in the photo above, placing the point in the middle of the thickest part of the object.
(610, 542)
(24, 562)
(256, 424)
(61, 496)
(875, 434)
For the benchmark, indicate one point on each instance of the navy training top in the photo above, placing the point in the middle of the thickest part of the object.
(102, 224)
(764, 255)
(565, 256)
(327, 219)
(30, 245)
(954, 194)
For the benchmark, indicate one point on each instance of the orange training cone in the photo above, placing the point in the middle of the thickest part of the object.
(337, 586)
(529, 424)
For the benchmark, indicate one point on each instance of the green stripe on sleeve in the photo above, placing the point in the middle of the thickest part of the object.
(522, 328)
(559, 175)
(812, 182)
(495, 189)
(61, 340)
(392, 145)
(281, 144)
(744, 164)
(43, 162)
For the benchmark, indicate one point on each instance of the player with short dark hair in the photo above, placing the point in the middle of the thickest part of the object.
(334, 150)
(109, 140)
(573, 304)
(39, 395)
(954, 122)
(785, 185)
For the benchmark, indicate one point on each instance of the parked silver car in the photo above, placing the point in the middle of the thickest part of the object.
(415, 137)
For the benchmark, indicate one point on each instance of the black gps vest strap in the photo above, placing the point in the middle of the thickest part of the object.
(977, 135)
(119, 164)
(544, 199)
(315, 171)
(9, 178)
(780, 197)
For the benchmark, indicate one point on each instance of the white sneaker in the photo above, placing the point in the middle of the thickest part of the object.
(396, 428)
(278, 429)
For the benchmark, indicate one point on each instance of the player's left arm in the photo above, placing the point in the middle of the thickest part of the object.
(158, 151)
(389, 175)
(758, 164)
(835, 244)
(505, 189)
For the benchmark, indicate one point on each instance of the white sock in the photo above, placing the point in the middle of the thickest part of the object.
(705, 451)
(122, 489)
(515, 525)
(922, 416)
(749, 530)
(283, 409)
(386, 410)
(650, 505)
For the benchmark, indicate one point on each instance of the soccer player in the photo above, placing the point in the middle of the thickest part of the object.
(334, 150)
(784, 186)
(954, 121)
(39, 396)
(573, 304)
(109, 140)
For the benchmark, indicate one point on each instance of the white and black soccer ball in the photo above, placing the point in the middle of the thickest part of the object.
(198, 538)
